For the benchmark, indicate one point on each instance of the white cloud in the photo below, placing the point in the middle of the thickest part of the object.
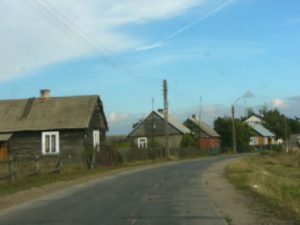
(279, 103)
(209, 11)
(248, 94)
(30, 37)
(115, 117)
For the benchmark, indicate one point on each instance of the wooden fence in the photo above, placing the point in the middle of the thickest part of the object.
(12, 169)
(107, 156)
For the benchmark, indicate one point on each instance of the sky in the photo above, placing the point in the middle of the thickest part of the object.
(213, 53)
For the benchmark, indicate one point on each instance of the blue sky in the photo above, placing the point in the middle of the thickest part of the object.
(122, 50)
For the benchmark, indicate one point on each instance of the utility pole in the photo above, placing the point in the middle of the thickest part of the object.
(200, 108)
(286, 136)
(152, 125)
(233, 127)
(166, 115)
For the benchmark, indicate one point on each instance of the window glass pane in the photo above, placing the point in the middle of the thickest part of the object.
(47, 143)
(53, 143)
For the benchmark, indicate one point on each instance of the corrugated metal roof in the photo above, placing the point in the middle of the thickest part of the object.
(5, 137)
(262, 130)
(205, 127)
(54, 113)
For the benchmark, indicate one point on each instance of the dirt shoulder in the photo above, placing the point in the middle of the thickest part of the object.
(235, 206)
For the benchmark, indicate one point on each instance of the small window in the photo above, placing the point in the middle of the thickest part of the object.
(50, 143)
(253, 141)
(142, 142)
(96, 139)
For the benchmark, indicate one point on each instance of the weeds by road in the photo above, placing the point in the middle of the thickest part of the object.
(272, 177)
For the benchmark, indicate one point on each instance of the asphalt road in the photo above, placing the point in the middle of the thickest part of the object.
(170, 194)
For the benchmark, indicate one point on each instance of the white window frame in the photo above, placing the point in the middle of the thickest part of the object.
(50, 134)
(96, 139)
(142, 142)
(266, 140)
(253, 141)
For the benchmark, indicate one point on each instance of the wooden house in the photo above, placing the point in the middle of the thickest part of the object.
(51, 126)
(262, 136)
(151, 130)
(206, 137)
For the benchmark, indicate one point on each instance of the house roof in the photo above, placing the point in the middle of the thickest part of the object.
(47, 114)
(254, 119)
(175, 123)
(5, 137)
(171, 120)
(205, 127)
(260, 129)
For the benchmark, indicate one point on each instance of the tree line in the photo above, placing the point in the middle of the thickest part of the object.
(281, 125)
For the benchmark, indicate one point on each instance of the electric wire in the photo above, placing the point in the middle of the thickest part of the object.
(56, 18)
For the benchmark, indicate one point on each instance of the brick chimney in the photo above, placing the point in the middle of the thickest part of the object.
(45, 94)
(161, 111)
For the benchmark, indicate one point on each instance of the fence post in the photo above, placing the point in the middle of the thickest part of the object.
(12, 171)
(37, 166)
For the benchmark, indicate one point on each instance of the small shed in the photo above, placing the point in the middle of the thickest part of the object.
(206, 137)
(151, 130)
(51, 126)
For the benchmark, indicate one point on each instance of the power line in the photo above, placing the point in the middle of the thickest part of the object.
(58, 19)
(90, 38)
(55, 17)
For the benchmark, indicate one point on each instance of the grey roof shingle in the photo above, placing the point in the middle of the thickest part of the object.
(54, 113)
(175, 123)
(205, 127)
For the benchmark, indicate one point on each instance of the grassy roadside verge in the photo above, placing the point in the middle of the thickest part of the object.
(272, 177)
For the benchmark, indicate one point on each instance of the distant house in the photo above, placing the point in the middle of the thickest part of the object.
(254, 119)
(262, 137)
(294, 142)
(152, 130)
(206, 136)
(51, 126)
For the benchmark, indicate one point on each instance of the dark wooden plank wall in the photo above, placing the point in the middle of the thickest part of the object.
(96, 123)
(24, 145)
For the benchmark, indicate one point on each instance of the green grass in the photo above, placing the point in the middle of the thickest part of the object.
(273, 177)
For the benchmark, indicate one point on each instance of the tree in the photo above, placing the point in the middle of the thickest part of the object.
(277, 123)
(294, 125)
(243, 132)
(224, 127)
(188, 141)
